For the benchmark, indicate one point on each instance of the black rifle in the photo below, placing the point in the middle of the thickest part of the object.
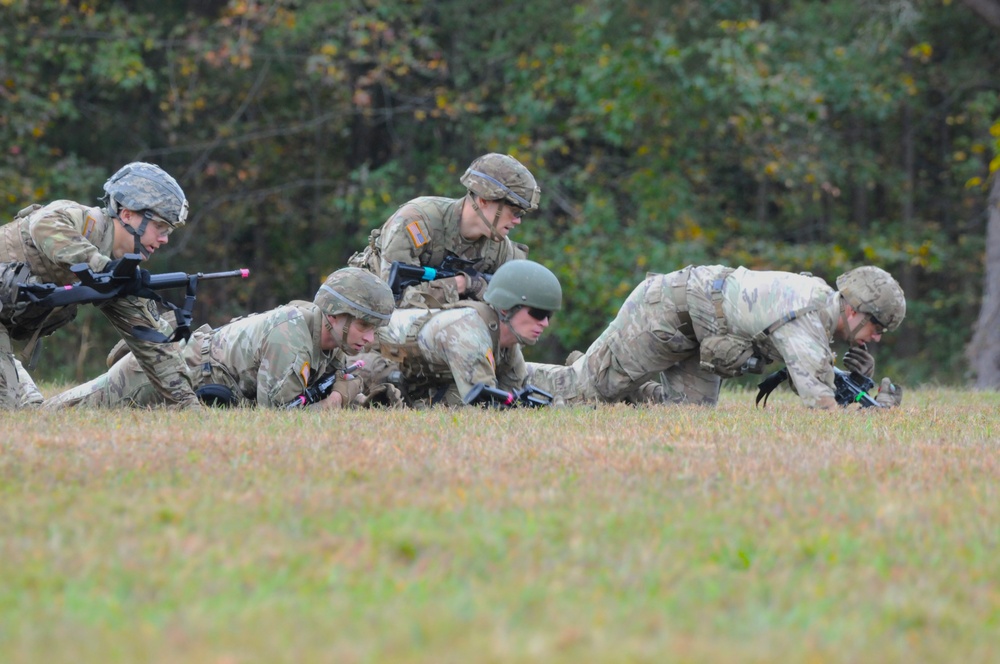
(530, 396)
(403, 275)
(126, 278)
(848, 388)
(322, 388)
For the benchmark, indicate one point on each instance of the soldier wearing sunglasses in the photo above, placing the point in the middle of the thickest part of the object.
(500, 191)
(704, 323)
(437, 357)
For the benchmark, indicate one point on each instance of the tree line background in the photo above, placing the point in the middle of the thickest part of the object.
(798, 135)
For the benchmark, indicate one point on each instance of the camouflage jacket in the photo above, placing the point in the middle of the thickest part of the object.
(422, 232)
(268, 358)
(754, 300)
(449, 351)
(51, 239)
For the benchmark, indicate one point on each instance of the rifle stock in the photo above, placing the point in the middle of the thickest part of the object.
(403, 275)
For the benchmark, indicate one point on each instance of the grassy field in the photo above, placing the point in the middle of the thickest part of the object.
(604, 535)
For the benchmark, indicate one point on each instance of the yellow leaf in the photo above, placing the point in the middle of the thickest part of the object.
(973, 182)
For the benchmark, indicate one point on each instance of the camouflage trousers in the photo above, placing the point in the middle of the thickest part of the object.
(17, 389)
(643, 340)
(125, 384)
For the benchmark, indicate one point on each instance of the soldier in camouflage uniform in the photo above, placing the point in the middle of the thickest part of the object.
(436, 357)
(425, 230)
(265, 359)
(701, 324)
(144, 205)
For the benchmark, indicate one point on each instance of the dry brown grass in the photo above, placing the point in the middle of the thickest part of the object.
(604, 534)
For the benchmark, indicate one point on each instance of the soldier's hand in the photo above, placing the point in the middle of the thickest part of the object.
(383, 394)
(889, 395)
(475, 284)
(348, 388)
(858, 359)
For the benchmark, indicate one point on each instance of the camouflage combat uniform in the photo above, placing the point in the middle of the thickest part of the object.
(266, 359)
(668, 318)
(50, 240)
(442, 354)
(423, 232)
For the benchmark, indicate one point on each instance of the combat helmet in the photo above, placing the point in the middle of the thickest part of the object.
(497, 177)
(148, 189)
(871, 290)
(524, 283)
(356, 292)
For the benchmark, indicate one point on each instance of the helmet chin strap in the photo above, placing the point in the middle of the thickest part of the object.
(348, 319)
(852, 333)
(345, 328)
(136, 233)
(494, 235)
(505, 318)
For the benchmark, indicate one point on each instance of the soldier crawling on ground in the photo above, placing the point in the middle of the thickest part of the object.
(437, 357)
(703, 323)
(265, 359)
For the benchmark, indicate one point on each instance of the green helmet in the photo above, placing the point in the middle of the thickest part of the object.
(358, 293)
(143, 187)
(871, 290)
(524, 283)
(497, 177)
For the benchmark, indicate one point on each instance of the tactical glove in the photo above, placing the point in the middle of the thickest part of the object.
(889, 394)
(859, 360)
(348, 388)
(475, 284)
(383, 394)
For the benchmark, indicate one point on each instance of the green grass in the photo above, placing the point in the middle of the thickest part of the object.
(612, 534)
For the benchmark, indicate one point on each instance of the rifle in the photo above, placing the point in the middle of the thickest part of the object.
(530, 396)
(322, 388)
(848, 388)
(126, 278)
(403, 275)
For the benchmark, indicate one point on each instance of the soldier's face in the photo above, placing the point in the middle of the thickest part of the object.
(869, 330)
(360, 335)
(509, 216)
(530, 323)
(153, 237)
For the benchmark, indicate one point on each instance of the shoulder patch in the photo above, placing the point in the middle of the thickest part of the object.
(88, 225)
(491, 359)
(304, 372)
(416, 234)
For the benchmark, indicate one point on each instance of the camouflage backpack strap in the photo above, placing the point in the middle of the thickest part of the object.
(763, 335)
(487, 313)
(678, 294)
(715, 294)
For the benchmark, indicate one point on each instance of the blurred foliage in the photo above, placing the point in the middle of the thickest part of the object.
(781, 134)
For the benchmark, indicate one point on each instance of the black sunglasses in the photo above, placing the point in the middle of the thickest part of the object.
(879, 324)
(539, 314)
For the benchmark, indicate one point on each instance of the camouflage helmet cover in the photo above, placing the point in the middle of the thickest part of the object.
(358, 293)
(871, 290)
(497, 177)
(524, 283)
(143, 187)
